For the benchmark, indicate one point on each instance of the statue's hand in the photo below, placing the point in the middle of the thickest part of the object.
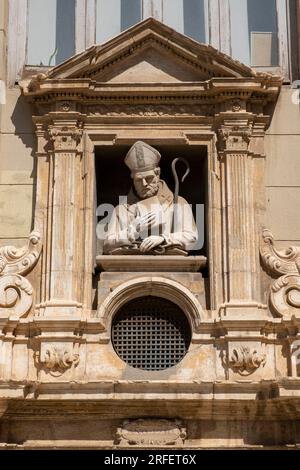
(151, 242)
(140, 224)
(145, 221)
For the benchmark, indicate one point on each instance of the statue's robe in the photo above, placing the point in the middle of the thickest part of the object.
(175, 222)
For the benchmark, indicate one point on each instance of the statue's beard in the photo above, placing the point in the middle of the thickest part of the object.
(149, 191)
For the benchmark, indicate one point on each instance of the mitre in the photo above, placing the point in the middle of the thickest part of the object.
(142, 157)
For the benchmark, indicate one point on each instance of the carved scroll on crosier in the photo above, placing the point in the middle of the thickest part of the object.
(284, 295)
(16, 291)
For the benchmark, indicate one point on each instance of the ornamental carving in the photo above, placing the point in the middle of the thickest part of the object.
(284, 294)
(59, 359)
(20, 260)
(245, 360)
(151, 110)
(279, 261)
(151, 432)
(234, 137)
(16, 293)
(65, 138)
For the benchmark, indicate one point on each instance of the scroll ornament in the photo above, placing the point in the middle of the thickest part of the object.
(15, 290)
(284, 296)
(245, 360)
(58, 359)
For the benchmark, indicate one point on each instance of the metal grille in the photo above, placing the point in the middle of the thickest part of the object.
(151, 333)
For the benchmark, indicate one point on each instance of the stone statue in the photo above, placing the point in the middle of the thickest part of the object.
(150, 222)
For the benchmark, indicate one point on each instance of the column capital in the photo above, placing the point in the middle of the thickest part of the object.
(65, 137)
(234, 136)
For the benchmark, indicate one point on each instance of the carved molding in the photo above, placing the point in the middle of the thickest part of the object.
(16, 293)
(279, 261)
(245, 360)
(59, 359)
(151, 432)
(20, 260)
(284, 294)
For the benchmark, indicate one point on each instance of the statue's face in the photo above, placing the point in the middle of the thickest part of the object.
(146, 183)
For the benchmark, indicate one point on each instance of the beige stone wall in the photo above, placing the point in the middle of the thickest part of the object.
(282, 148)
(16, 155)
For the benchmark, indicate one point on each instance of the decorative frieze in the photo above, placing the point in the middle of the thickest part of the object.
(147, 110)
(151, 432)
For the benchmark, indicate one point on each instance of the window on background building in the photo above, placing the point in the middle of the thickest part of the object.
(114, 16)
(188, 17)
(254, 32)
(51, 31)
(185, 16)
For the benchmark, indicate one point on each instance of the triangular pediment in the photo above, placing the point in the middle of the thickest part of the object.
(151, 66)
(150, 52)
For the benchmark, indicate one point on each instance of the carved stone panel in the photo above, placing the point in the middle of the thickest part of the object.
(16, 292)
(284, 293)
(151, 432)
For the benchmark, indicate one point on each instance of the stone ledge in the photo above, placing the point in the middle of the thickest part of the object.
(149, 263)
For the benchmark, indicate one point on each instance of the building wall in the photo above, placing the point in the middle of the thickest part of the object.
(17, 150)
(282, 146)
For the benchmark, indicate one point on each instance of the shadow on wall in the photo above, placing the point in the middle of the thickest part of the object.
(21, 119)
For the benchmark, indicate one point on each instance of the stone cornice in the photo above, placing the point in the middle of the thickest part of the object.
(205, 76)
(213, 91)
(219, 399)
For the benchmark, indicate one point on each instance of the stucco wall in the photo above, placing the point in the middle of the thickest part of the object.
(282, 146)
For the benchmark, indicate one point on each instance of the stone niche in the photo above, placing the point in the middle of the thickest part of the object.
(61, 298)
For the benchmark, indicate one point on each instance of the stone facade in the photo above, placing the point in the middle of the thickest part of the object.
(239, 384)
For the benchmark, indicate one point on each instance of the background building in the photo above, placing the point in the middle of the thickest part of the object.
(69, 112)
